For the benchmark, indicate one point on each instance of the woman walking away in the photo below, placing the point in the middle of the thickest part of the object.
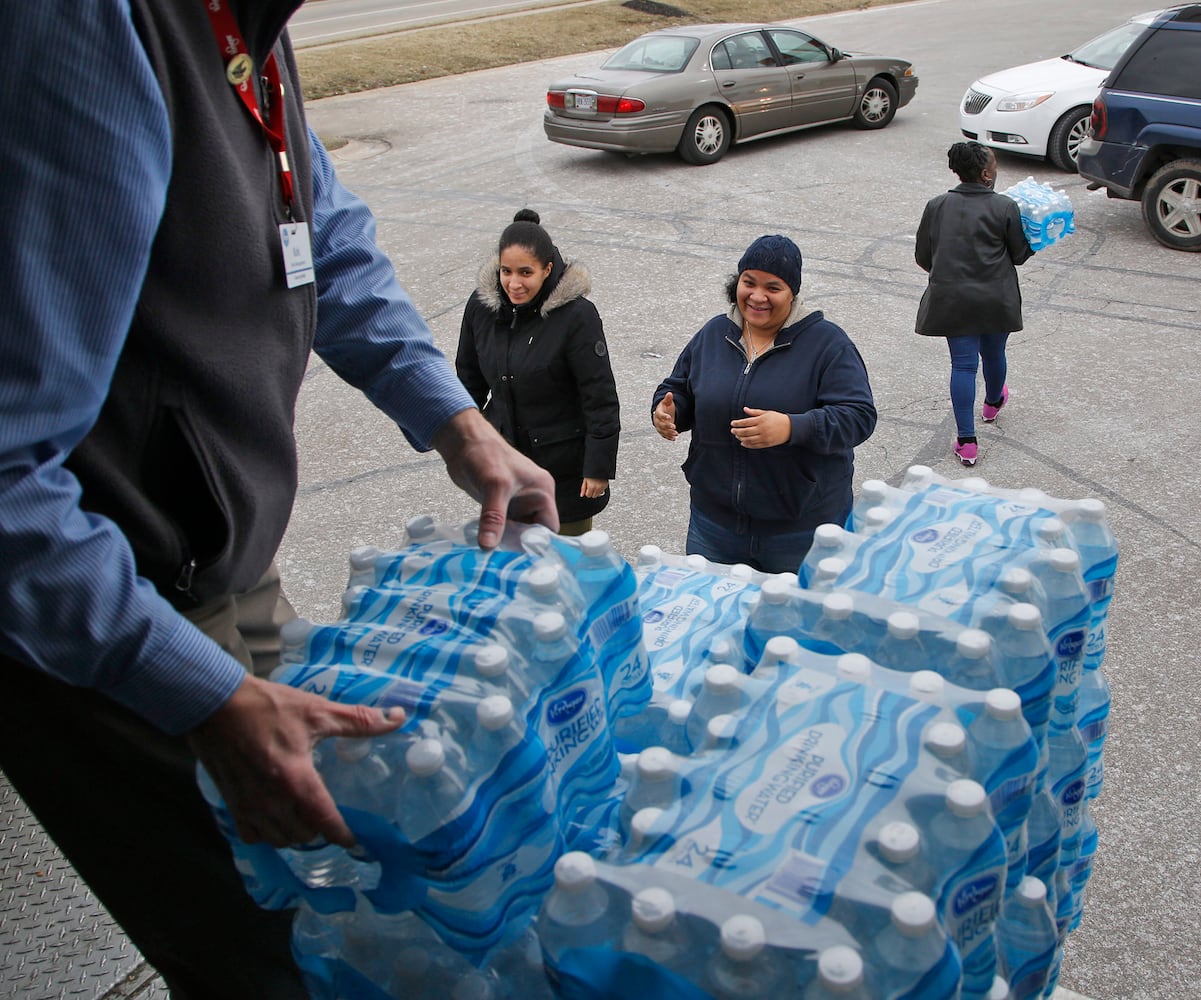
(970, 240)
(532, 353)
(776, 398)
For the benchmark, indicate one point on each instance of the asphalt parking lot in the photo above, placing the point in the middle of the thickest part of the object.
(1102, 378)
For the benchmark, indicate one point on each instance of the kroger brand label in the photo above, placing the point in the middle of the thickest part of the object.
(938, 546)
(805, 771)
(972, 908)
(668, 623)
(572, 719)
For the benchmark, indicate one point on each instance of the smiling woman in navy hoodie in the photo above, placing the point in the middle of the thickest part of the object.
(776, 398)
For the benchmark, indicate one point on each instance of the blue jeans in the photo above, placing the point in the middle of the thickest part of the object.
(966, 353)
(777, 552)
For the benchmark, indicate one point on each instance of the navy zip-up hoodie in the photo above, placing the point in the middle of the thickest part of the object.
(813, 373)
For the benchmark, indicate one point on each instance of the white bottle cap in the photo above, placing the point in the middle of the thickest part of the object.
(913, 913)
(926, 685)
(491, 660)
(650, 555)
(775, 591)
(350, 750)
(919, 475)
(1032, 495)
(697, 562)
(877, 518)
(999, 989)
(642, 824)
(840, 968)
(425, 757)
(575, 870)
(721, 649)
(828, 536)
(294, 633)
(1032, 891)
(1026, 617)
(363, 557)
(1050, 531)
(873, 491)
(653, 910)
(838, 605)
(1090, 509)
(855, 667)
(973, 643)
(903, 625)
(595, 542)
(945, 739)
(741, 571)
(742, 937)
(418, 529)
(1064, 560)
(899, 842)
(656, 764)
(781, 649)
(830, 568)
(678, 711)
(494, 712)
(1017, 580)
(977, 484)
(549, 626)
(542, 579)
(721, 728)
(722, 678)
(1002, 703)
(966, 798)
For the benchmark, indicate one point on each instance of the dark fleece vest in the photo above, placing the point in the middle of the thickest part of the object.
(193, 455)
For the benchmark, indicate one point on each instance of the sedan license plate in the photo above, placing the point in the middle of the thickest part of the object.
(585, 102)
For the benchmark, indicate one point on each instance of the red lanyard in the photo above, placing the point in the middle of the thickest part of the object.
(239, 70)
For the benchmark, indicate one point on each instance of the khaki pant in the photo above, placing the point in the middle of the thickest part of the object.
(120, 800)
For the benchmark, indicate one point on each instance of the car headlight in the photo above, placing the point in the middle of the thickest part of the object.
(1023, 102)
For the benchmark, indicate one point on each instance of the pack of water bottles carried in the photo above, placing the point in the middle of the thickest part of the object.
(1047, 214)
(510, 666)
(684, 779)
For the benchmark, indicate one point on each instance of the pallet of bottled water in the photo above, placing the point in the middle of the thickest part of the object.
(1047, 213)
(679, 779)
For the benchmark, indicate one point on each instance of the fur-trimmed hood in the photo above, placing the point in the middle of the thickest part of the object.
(569, 280)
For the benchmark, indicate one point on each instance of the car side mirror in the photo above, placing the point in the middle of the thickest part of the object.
(835, 54)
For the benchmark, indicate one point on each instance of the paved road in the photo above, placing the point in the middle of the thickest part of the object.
(1103, 402)
(322, 21)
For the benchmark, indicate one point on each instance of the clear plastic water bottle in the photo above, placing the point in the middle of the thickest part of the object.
(431, 795)
(1067, 622)
(720, 694)
(928, 686)
(1066, 776)
(901, 647)
(1008, 757)
(912, 956)
(966, 844)
(775, 614)
(826, 574)
(496, 668)
(576, 912)
(898, 846)
(1027, 940)
(362, 773)
(498, 730)
(553, 650)
(1098, 550)
(655, 932)
(971, 665)
(519, 971)
(1093, 722)
(1083, 867)
(840, 976)
(646, 827)
(1042, 841)
(948, 742)
(780, 654)
(1026, 661)
(653, 784)
(744, 966)
(836, 629)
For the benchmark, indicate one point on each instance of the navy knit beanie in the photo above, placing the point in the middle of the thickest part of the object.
(776, 255)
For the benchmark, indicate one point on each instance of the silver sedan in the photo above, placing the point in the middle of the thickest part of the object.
(697, 89)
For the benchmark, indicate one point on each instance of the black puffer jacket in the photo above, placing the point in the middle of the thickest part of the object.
(541, 374)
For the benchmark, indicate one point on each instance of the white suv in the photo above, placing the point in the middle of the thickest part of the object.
(1042, 108)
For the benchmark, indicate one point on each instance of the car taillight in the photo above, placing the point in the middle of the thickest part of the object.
(1099, 120)
(619, 105)
(555, 98)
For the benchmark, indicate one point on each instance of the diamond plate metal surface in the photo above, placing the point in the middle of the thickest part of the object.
(56, 938)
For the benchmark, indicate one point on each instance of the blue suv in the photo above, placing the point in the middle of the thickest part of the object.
(1145, 133)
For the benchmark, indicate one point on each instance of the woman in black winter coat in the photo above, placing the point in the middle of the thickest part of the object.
(970, 240)
(532, 353)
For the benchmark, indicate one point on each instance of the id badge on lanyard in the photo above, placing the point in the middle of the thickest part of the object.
(295, 241)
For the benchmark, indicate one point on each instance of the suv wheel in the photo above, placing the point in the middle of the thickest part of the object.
(1172, 205)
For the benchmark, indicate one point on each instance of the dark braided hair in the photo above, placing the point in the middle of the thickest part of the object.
(525, 231)
(968, 160)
